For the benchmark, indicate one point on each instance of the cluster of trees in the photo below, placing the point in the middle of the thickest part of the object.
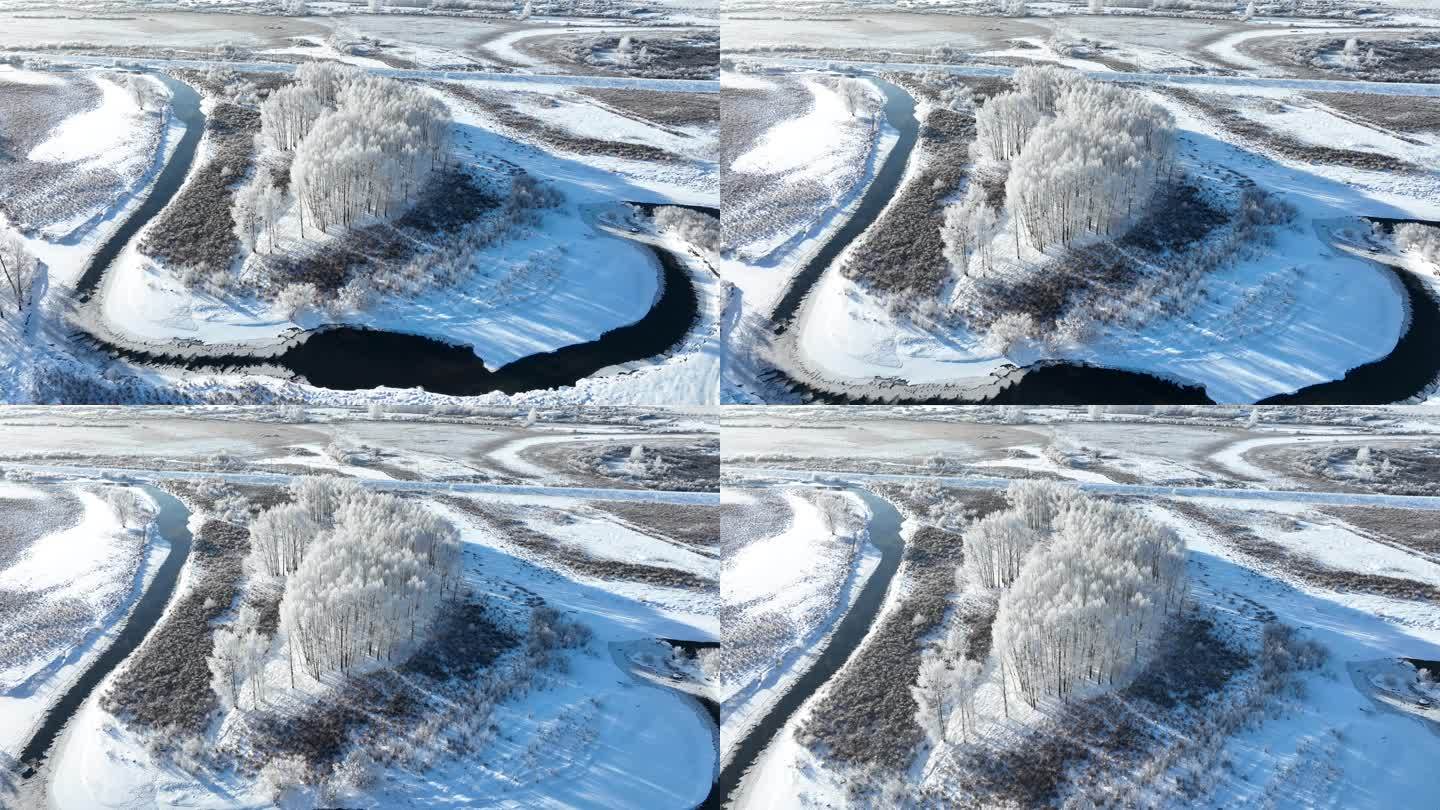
(362, 575)
(18, 269)
(1080, 590)
(1067, 158)
(371, 586)
(237, 663)
(357, 146)
(1090, 602)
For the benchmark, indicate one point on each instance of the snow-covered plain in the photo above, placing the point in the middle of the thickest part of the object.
(809, 574)
(69, 592)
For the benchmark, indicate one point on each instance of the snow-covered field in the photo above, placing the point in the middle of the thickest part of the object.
(783, 593)
(70, 575)
(553, 647)
(1280, 682)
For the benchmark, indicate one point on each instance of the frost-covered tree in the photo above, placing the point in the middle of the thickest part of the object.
(279, 537)
(995, 549)
(856, 95)
(1090, 603)
(368, 154)
(245, 212)
(377, 6)
(1092, 165)
(527, 10)
(269, 207)
(969, 230)
(288, 114)
(370, 587)
(130, 506)
(1037, 502)
(1003, 125)
(296, 8)
(18, 270)
(1253, 420)
(1423, 240)
(237, 661)
(1097, 6)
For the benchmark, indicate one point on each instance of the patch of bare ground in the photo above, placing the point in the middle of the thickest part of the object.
(864, 718)
(1380, 467)
(677, 54)
(501, 106)
(25, 520)
(902, 254)
(697, 526)
(1411, 528)
(664, 464)
(1228, 525)
(1408, 114)
(196, 231)
(1384, 56)
(451, 200)
(39, 194)
(371, 711)
(164, 686)
(1221, 111)
(743, 523)
(510, 524)
(665, 109)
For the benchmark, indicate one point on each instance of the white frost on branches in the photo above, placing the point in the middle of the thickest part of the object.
(1090, 167)
(370, 586)
(995, 549)
(360, 147)
(1090, 602)
(18, 269)
(1076, 158)
(1423, 240)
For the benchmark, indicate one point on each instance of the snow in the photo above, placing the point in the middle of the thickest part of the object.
(1233, 456)
(561, 284)
(782, 574)
(604, 539)
(102, 138)
(1227, 47)
(13, 492)
(84, 563)
(596, 733)
(1428, 503)
(1377, 748)
(1336, 743)
(383, 484)
(92, 134)
(823, 144)
(504, 46)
